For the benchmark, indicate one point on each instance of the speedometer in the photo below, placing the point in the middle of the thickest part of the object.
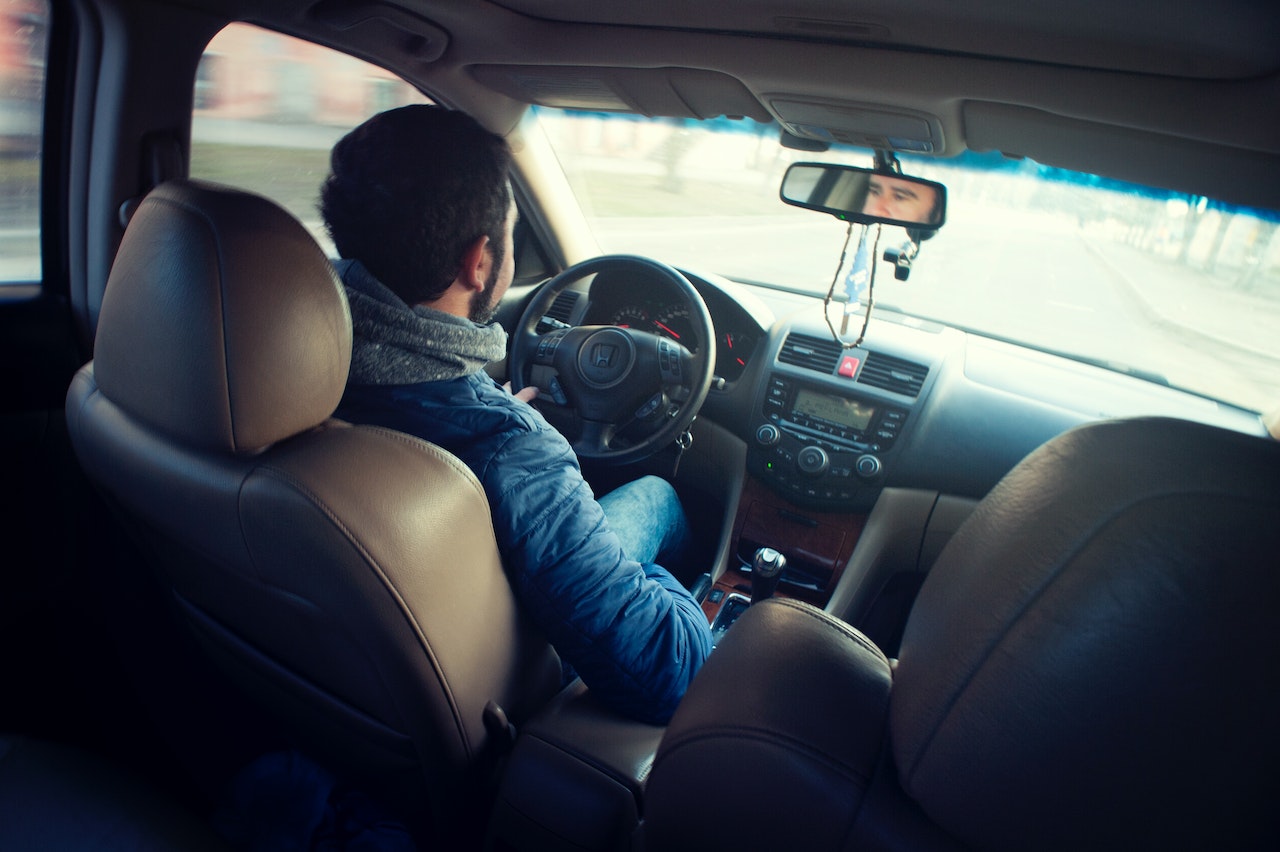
(631, 316)
(673, 321)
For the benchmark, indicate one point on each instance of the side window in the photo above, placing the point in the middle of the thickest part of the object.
(23, 36)
(269, 107)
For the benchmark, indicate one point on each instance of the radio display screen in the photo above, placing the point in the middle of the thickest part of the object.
(848, 413)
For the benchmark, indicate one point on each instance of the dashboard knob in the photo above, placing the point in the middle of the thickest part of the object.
(768, 435)
(867, 467)
(812, 461)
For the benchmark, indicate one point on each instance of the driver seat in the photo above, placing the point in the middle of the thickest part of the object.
(346, 576)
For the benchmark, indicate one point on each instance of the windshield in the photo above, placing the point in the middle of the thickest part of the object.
(1174, 288)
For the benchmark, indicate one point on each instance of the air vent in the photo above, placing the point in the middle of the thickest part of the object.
(812, 353)
(560, 311)
(893, 374)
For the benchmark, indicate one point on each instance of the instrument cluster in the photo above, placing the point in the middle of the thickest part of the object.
(668, 315)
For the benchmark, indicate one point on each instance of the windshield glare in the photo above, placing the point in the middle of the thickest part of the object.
(1171, 287)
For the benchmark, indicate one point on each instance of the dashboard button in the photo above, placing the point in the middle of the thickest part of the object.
(768, 435)
(868, 466)
(813, 461)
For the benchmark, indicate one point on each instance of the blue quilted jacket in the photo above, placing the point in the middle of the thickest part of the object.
(631, 631)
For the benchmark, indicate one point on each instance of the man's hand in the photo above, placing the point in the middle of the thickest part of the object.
(525, 394)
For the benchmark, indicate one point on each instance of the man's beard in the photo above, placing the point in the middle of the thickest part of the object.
(482, 306)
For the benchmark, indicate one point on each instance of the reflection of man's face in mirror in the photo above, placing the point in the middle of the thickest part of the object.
(894, 198)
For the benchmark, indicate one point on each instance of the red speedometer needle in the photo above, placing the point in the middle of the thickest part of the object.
(667, 330)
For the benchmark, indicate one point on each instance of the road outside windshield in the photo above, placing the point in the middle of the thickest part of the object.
(1171, 287)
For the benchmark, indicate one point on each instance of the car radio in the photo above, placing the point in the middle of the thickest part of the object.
(819, 447)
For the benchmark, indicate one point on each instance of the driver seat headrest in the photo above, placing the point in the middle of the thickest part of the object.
(254, 353)
(345, 576)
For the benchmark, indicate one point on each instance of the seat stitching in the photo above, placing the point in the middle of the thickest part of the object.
(831, 622)
(760, 735)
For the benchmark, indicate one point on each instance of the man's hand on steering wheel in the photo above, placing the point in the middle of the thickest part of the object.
(614, 378)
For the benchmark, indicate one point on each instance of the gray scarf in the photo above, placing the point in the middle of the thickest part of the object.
(395, 344)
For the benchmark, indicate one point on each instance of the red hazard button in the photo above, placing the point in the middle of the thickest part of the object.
(848, 366)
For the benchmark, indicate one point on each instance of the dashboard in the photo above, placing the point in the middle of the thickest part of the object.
(905, 432)
(918, 405)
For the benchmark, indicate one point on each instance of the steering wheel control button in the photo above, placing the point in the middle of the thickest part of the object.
(557, 392)
(812, 461)
(606, 357)
(547, 346)
(669, 362)
(647, 410)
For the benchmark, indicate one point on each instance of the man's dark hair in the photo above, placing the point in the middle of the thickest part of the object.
(410, 190)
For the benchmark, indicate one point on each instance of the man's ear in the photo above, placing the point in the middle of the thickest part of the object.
(475, 264)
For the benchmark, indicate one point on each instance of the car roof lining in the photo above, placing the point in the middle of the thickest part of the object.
(1229, 38)
(493, 60)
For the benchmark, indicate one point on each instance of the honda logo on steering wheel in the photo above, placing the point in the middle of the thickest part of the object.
(602, 354)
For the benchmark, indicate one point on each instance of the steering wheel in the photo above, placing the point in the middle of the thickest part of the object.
(633, 391)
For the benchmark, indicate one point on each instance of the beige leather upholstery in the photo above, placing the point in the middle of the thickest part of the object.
(347, 576)
(1091, 664)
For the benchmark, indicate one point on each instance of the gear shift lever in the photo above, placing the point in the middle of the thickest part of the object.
(766, 567)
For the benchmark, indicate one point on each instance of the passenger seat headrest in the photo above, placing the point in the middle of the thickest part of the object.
(223, 323)
(1093, 658)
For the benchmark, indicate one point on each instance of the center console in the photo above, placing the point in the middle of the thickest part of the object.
(820, 448)
(815, 548)
(574, 779)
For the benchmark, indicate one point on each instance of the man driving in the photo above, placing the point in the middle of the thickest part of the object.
(419, 207)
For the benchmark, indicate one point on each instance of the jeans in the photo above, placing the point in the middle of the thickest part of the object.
(648, 519)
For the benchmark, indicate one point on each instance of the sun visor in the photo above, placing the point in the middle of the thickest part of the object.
(384, 24)
(863, 125)
(675, 92)
(1234, 175)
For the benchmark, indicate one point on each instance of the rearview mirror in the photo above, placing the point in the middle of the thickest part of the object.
(866, 196)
